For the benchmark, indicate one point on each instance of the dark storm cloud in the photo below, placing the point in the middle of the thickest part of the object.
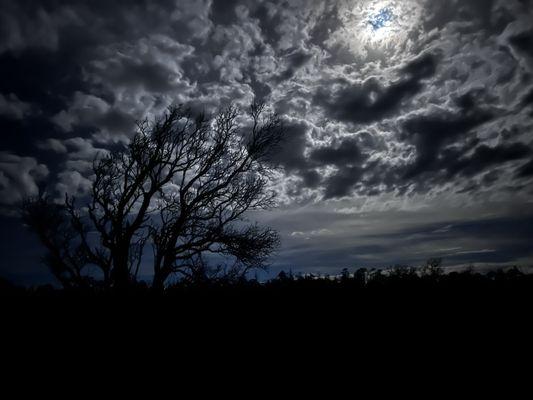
(327, 23)
(290, 154)
(347, 156)
(445, 143)
(523, 42)
(12, 107)
(526, 171)
(341, 183)
(447, 149)
(485, 157)
(474, 15)
(421, 67)
(48, 46)
(432, 132)
(295, 61)
(370, 101)
(528, 98)
(67, 62)
(133, 72)
(345, 153)
(270, 20)
(223, 12)
(19, 177)
(88, 110)
(454, 163)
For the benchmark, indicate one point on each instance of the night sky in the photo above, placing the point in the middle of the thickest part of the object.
(409, 124)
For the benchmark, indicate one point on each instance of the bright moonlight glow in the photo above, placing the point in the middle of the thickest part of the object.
(381, 25)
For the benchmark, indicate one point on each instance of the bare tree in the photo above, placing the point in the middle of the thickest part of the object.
(183, 185)
(51, 222)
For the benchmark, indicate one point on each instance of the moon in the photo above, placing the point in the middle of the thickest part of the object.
(383, 25)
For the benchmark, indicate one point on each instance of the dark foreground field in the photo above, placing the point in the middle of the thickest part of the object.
(362, 313)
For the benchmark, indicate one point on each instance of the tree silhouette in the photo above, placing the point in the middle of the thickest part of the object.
(183, 186)
(66, 257)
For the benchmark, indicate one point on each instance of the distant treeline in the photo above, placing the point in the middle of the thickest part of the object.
(404, 281)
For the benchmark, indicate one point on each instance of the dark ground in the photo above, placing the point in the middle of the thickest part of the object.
(450, 323)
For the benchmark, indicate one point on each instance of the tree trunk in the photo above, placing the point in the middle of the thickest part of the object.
(158, 283)
(120, 275)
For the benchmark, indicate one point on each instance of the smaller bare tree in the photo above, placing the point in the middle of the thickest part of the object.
(183, 185)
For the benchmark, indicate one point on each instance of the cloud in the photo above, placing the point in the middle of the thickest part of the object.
(432, 131)
(73, 183)
(19, 177)
(291, 152)
(87, 110)
(295, 61)
(52, 144)
(12, 107)
(29, 27)
(369, 100)
(347, 157)
(341, 183)
(149, 64)
(528, 98)
(409, 237)
(347, 152)
(523, 42)
(526, 170)
(485, 157)
(308, 235)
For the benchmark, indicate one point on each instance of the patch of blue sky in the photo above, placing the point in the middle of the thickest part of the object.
(381, 19)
